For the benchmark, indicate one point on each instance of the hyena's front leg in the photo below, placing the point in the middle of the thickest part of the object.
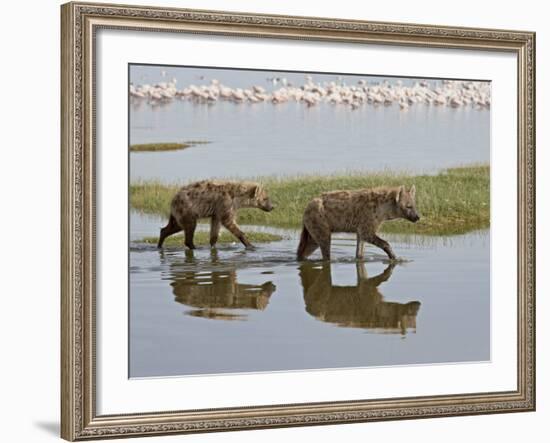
(215, 225)
(382, 244)
(360, 248)
(232, 227)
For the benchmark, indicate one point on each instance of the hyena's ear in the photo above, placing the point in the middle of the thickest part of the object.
(413, 191)
(399, 193)
(254, 191)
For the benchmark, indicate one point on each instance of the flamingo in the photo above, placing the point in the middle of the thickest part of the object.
(445, 93)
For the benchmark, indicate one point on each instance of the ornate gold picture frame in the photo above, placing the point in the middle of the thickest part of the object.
(80, 22)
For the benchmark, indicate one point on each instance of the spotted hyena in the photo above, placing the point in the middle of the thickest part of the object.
(217, 200)
(361, 211)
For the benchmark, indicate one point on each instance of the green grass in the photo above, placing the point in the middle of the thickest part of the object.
(454, 201)
(203, 238)
(152, 147)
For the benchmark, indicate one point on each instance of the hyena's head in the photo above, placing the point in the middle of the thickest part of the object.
(259, 199)
(406, 205)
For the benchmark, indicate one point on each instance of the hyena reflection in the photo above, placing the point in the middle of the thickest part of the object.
(360, 306)
(218, 294)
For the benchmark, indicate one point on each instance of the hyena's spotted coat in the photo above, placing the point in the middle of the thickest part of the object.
(217, 200)
(361, 212)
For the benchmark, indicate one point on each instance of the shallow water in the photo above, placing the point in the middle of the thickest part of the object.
(290, 138)
(231, 310)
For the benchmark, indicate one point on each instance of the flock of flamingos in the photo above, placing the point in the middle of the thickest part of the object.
(451, 93)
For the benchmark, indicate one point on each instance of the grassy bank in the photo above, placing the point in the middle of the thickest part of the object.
(153, 147)
(454, 201)
(202, 238)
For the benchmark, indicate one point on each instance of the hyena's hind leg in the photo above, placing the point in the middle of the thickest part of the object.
(320, 234)
(171, 228)
(215, 226)
(316, 224)
(307, 245)
(325, 248)
(189, 229)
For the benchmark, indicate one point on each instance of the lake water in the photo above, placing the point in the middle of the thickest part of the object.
(265, 139)
(231, 310)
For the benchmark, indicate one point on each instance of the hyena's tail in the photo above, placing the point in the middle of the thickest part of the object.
(305, 239)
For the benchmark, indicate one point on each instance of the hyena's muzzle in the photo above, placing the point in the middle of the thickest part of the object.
(412, 215)
(267, 207)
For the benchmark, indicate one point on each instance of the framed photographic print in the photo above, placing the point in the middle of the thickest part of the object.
(282, 221)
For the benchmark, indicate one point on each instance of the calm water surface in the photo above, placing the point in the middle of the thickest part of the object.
(290, 138)
(232, 310)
